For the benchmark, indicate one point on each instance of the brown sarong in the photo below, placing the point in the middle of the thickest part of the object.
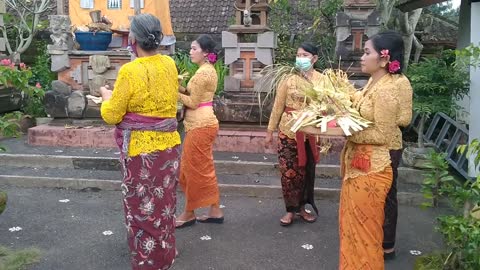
(361, 217)
(197, 171)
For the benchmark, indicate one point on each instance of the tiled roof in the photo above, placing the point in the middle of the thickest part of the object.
(436, 29)
(201, 16)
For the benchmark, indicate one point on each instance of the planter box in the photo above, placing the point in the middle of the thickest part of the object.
(10, 100)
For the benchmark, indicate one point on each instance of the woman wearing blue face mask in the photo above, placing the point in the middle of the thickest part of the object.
(297, 153)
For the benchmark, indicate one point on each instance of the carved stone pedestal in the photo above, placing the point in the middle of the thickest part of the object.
(87, 73)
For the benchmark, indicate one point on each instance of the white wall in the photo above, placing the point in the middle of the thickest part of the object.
(474, 128)
(462, 114)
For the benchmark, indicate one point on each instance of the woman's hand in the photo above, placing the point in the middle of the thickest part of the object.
(269, 138)
(106, 93)
(182, 90)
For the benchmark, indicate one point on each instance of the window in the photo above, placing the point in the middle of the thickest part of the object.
(132, 3)
(86, 4)
(237, 70)
(257, 68)
(114, 4)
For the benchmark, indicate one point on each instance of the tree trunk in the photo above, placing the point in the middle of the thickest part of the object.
(385, 8)
(408, 23)
(418, 49)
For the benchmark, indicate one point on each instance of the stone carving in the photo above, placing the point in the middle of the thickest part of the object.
(100, 65)
(95, 84)
(61, 35)
(76, 105)
(62, 42)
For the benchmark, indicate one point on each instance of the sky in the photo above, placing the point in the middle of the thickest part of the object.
(456, 3)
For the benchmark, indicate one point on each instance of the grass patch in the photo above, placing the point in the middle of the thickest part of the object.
(18, 259)
(430, 262)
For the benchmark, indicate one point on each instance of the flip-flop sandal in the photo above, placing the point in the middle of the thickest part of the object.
(307, 220)
(285, 224)
(186, 223)
(218, 220)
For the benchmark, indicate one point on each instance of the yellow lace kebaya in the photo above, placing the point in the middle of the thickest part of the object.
(200, 89)
(147, 86)
(290, 94)
(380, 104)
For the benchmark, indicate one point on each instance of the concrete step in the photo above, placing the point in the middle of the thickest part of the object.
(244, 185)
(243, 165)
(248, 174)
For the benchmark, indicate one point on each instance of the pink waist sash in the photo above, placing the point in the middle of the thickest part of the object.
(206, 104)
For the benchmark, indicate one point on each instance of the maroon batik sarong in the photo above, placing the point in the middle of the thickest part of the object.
(149, 190)
(149, 194)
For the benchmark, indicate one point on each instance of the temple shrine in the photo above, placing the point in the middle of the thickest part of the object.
(358, 21)
(82, 72)
(249, 46)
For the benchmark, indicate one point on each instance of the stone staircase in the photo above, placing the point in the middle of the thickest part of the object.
(246, 174)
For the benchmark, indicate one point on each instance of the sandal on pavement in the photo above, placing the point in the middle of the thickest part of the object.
(388, 256)
(285, 224)
(304, 216)
(206, 219)
(184, 224)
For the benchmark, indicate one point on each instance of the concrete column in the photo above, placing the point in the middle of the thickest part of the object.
(474, 128)
(60, 7)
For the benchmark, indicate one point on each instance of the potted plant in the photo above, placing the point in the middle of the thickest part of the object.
(95, 36)
(437, 84)
(18, 78)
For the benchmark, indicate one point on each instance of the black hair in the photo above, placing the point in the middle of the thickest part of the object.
(207, 44)
(147, 31)
(309, 47)
(391, 41)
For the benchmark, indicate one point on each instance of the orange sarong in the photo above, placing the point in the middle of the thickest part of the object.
(197, 171)
(361, 216)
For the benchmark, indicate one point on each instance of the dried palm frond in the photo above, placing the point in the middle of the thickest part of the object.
(271, 77)
(329, 105)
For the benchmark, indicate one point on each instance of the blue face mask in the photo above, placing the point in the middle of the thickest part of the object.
(303, 63)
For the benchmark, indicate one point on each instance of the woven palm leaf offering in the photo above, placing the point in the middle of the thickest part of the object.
(328, 109)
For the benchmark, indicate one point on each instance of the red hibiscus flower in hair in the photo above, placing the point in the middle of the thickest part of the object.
(212, 58)
(394, 66)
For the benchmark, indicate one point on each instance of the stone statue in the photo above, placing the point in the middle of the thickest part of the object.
(61, 35)
(247, 14)
(100, 64)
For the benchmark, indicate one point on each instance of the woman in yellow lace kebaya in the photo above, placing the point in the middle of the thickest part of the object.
(297, 153)
(366, 164)
(143, 107)
(197, 172)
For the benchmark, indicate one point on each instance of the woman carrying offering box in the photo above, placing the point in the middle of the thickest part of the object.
(366, 164)
(297, 152)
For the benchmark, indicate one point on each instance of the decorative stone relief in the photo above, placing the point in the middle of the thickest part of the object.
(100, 65)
